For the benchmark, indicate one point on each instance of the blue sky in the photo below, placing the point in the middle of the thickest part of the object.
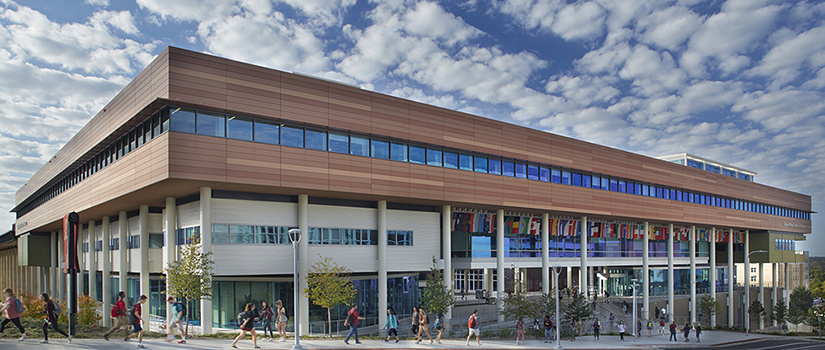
(740, 81)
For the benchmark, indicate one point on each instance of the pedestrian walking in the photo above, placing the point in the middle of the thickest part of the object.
(548, 328)
(687, 331)
(519, 330)
(392, 323)
(247, 321)
(423, 326)
(579, 327)
(352, 322)
(120, 316)
(50, 309)
(638, 328)
(136, 317)
(281, 319)
(439, 326)
(573, 328)
(610, 322)
(649, 328)
(414, 328)
(176, 320)
(13, 309)
(622, 330)
(472, 325)
(267, 316)
(673, 331)
(698, 328)
(662, 326)
(553, 325)
(597, 326)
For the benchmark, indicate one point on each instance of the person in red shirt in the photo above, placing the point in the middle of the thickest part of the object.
(10, 307)
(352, 322)
(138, 325)
(120, 318)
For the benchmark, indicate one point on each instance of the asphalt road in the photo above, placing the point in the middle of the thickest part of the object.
(764, 344)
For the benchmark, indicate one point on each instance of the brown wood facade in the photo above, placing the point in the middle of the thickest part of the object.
(177, 164)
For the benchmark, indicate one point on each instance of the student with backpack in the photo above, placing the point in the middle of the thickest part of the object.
(13, 308)
(392, 323)
(423, 326)
(439, 326)
(649, 328)
(247, 321)
(673, 331)
(267, 315)
(415, 320)
(597, 326)
(52, 311)
(136, 319)
(548, 328)
(472, 325)
(176, 320)
(352, 322)
(120, 316)
(519, 330)
(686, 329)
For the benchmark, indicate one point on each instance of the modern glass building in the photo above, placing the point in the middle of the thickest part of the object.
(235, 155)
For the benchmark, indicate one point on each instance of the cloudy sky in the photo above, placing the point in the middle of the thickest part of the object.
(740, 81)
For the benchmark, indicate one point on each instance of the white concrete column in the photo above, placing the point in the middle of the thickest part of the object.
(786, 293)
(713, 272)
(569, 277)
(446, 253)
(206, 246)
(747, 271)
(583, 270)
(645, 271)
(123, 232)
(91, 262)
(670, 272)
(382, 262)
(545, 253)
(303, 257)
(775, 273)
(762, 294)
(731, 280)
(60, 293)
(170, 240)
(53, 274)
(143, 218)
(693, 300)
(500, 263)
(106, 263)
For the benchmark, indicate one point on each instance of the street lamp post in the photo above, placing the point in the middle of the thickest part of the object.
(556, 272)
(635, 331)
(748, 291)
(295, 238)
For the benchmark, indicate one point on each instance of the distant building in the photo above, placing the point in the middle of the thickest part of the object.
(198, 146)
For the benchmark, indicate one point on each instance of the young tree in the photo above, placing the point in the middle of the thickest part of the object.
(756, 311)
(801, 299)
(578, 309)
(518, 304)
(437, 297)
(329, 285)
(780, 312)
(189, 278)
(709, 306)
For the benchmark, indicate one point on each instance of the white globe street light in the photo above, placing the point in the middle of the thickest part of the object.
(295, 238)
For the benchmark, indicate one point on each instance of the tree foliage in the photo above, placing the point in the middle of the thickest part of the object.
(709, 306)
(436, 296)
(801, 300)
(329, 285)
(780, 312)
(756, 311)
(189, 278)
(87, 311)
(578, 309)
(518, 304)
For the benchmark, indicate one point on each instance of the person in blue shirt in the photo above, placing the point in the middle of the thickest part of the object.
(392, 323)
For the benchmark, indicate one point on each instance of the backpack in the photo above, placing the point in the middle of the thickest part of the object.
(471, 323)
(649, 324)
(350, 319)
(182, 308)
(18, 306)
(57, 309)
(242, 318)
(132, 318)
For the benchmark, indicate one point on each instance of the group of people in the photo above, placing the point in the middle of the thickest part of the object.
(123, 317)
(12, 307)
(420, 325)
(250, 315)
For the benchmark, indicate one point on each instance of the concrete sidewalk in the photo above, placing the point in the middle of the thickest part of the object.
(709, 338)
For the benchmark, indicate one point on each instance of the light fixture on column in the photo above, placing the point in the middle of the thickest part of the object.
(295, 238)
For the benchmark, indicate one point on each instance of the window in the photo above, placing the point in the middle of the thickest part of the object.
(399, 238)
(622, 187)
(508, 168)
(241, 234)
(544, 174)
(565, 177)
(133, 242)
(155, 240)
(521, 170)
(182, 120)
(417, 155)
(292, 136)
(114, 244)
(465, 162)
(577, 179)
(451, 160)
(597, 182)
(434, 157)
(556, 176)
(338, 142)
(239, 128)
(480, 164)
(187, 235)
(494, 166)
(614, 185)
(586, 181)
(316, 139)
(380, 149)
(359, 146)
(398, 152)
(211, 124)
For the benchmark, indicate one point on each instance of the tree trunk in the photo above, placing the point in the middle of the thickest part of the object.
(186, 319)
(329, 322)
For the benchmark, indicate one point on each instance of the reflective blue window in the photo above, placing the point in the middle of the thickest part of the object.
(480, 164)
(494, 166)
(211, 125)
(398, 152)
(508, 168)
(521, 170)
(239, 128)
(605, 183)
(533, 172)
(577, 179)
(712, 168)
(728, 172)
(182, 120)
(338, 142)
(544, 174)
(555, 176)
(622, 187)
(645, 190)
(672, 194)
(586, 181)
(380, 149)
(694, 164)
(418, 155)
(660, 193)
(565, 177)
(359, 146)
(597, 182)
(465, 162)
(451, 160)
(637, 189)
(614, 185)
(292, 136)
(434, 157)
(315, 139)
(267, 132)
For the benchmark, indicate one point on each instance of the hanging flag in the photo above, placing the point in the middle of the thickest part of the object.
(523, 225)
(554, 227)
(574, 228)
(563, 227)
(593, 228)
(535, 226)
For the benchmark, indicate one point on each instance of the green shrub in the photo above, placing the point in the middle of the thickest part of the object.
(488, 333)
(504, 332)
(87, 311)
